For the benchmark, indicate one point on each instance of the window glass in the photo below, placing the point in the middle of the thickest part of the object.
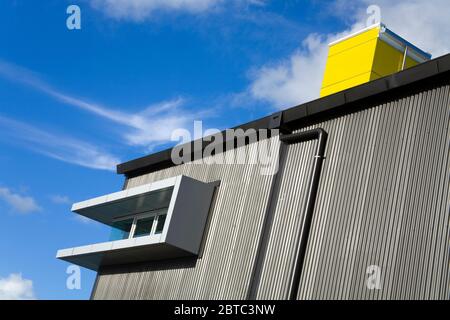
(121, 229)
(160, 224)
(156, 200)
(143, 227)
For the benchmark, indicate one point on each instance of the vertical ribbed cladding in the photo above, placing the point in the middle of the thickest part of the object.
(384, 200)
(290, 197)
(231, 239)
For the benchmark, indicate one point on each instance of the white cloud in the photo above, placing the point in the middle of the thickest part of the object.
(18, 203)
(14, 287)
(148, 128)
(139, 10)
(59, 199)
(57, 146)
(294, 80)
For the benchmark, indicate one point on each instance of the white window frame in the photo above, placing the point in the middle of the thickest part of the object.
(154, 213)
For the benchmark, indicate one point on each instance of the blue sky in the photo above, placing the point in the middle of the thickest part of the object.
(73, 103)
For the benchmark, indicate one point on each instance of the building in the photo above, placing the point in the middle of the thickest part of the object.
(358, 208)
(367, 55)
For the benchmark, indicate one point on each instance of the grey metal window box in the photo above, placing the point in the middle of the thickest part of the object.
(188, 203)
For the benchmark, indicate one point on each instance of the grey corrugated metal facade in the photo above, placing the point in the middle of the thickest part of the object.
(383, 199)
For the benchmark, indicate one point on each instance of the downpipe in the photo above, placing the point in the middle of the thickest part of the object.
(288, 139)
(302, 242)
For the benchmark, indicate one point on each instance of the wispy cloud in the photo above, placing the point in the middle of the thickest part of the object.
(294, 80)
(139, 10)
(148, 128)
(59, 199)
(57, 146)
(19, 203)
(14, 287)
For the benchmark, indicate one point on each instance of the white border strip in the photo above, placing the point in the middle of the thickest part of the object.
(377, 25)
(124, 194)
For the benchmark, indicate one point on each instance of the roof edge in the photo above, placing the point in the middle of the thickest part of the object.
(319, 107)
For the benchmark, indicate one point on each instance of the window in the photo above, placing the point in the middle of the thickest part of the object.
(160, 223)
(121, 229)
(143, 227)
(145, 224)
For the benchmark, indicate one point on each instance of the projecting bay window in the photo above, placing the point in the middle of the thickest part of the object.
(160, 220)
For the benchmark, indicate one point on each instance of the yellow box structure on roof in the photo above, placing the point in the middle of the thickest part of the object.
(367, 55)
